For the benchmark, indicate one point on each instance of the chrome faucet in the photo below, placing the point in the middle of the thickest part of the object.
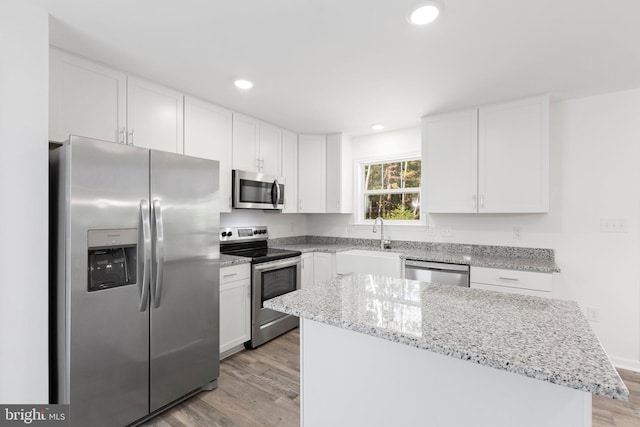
(384, 244)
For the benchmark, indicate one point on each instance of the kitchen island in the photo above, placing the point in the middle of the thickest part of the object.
(379, 351)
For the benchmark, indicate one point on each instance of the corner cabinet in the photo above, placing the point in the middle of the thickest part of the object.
(339, 174)
(257, 145)
(494, 159)
(235, 308)
(207, 134)
(312, 172)
(290, 171)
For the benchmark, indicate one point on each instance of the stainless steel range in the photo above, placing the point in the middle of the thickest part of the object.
(274, 272)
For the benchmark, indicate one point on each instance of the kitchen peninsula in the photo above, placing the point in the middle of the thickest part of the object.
(379, 351)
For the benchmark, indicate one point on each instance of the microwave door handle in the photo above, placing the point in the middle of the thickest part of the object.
(277, 184)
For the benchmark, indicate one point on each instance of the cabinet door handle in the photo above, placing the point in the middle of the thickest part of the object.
(474, 203)
(338, 205)
(122, 133)
(482, 201)
(132, 135)
(511, 279)
(230, 202)
(230, 275)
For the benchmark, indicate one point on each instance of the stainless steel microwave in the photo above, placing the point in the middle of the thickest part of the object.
(253, 190)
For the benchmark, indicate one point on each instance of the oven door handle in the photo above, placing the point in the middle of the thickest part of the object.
(277, 264)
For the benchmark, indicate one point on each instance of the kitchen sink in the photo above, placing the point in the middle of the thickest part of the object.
(369, 261)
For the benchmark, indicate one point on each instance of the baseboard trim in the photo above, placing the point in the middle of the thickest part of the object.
(629, 364)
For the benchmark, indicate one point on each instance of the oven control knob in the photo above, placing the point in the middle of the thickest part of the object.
(263, 231)
(255, 231)
(230, 234)
(224, 234)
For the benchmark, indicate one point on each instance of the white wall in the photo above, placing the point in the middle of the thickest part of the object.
(280, 225)
(595, 153)
(24, 82)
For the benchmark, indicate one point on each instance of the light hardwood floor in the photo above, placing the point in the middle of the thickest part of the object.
(261, 388)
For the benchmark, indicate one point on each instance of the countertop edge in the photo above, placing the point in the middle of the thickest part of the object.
(531, 372)
(517, 264)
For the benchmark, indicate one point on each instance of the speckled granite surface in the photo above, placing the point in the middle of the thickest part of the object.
(507, 257)
(228, 260)
(546, 339)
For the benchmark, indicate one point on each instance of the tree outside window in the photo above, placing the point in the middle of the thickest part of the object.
(392, 190)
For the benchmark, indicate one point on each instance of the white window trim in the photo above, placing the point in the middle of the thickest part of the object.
(358, 206)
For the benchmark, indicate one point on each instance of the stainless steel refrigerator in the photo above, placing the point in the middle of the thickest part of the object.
(134, 280)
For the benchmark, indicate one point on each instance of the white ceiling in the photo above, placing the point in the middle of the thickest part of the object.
(341, 65)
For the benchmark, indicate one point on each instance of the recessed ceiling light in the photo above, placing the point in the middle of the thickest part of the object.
(377, 128)
(243, 84)
(425, 13)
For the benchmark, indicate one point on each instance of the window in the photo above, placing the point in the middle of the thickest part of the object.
(391, 190)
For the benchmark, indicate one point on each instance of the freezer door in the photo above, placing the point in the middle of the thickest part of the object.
(104, 351)
(185, 269)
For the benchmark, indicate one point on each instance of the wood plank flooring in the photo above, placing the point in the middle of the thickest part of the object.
(261, 388)
(258, 387)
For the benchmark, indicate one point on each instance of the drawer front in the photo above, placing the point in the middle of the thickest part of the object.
(508, 290)
(512, 278)
(235, 272)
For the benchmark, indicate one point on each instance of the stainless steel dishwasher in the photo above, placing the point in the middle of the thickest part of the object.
(437, 272)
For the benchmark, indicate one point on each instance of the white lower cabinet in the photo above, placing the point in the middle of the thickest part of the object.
(512, 281)
(235, 308)
(307, 270)
(317, 267)
(323, 267)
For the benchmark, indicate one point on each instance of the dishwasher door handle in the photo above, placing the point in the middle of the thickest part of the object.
(424, 265)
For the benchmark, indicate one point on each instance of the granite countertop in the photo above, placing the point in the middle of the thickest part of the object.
(541, 264)
(546, 339)
(229, 260)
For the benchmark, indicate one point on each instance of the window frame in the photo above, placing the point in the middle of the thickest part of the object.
(361, 192)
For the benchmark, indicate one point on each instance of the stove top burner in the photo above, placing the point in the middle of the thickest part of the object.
(251, 242)
(263, 254)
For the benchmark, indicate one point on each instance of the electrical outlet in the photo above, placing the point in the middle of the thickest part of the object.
(446, 231)
(517, 233)
(609, 225)
(593, 314)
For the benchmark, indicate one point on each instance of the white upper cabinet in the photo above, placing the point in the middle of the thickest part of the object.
(257, 146)
(245, 143)
(270, 148)
(207, 134)
(312, 174)
(154, 116)
(513, 154)
(91, 100)
(290, 171)
(494, 159)
(450, 162)
(339, 174)
(85, 99)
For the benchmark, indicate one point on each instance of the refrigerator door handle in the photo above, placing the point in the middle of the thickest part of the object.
(144, 256)
(159, 253)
